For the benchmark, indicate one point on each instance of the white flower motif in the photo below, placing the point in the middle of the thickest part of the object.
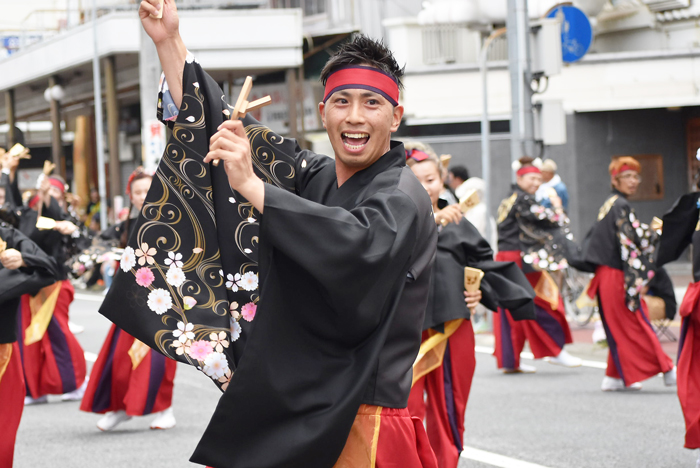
(631, 292)
(543, 253)
(235, 330)
(251, 220)
(231, 283)
(196, 84)
(215, 365)
(527, 258)
(543, 264)
(159, 301)
(190, 119)
(174, 259)
(184, 332)
(175, 276)
(231, 200)
(248, 251)
(640, 232)
(625, 253)
(636, 264)
(128, 259)
(249, 281)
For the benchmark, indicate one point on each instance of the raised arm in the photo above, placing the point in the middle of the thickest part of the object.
(165, 33)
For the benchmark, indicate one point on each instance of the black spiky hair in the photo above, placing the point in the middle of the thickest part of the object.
(363, 50)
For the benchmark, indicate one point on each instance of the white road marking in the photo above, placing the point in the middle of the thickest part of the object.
(88, 297)
(90, 357)
(495, 459)
(526, 355)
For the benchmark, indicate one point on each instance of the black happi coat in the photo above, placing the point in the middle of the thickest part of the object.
(41, 271)
(503, 285)
(620, 241)
(680, 230)
(541, 235)
(343, 273)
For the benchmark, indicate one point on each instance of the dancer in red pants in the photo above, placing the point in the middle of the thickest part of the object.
(680, 229)
(24, 269)
(128, 378)
(537, 239)
(442, 377)
(620, 249)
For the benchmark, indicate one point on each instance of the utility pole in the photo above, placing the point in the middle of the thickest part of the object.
(522, 131)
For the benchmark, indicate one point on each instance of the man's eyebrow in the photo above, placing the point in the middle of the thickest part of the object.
(365, 94)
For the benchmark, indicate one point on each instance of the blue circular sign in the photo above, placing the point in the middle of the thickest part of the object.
(576, 32)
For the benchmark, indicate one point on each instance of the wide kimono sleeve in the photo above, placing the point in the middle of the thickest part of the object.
(503, 285)
(40, 270)
(356, 255)
(636, 252)
(680, 222)
(188, 279)
(547, 242)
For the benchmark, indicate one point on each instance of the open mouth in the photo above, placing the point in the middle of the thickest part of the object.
(355, 141)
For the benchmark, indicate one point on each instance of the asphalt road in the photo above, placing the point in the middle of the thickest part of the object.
(556, 418)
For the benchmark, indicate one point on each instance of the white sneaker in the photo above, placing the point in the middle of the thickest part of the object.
(611, 384)
(598, 333)
(35, 401)
(164, 420)
(112, 419)
(523, 369)
(77, 394)
(564, 359)
(75, 328)
(670, 377)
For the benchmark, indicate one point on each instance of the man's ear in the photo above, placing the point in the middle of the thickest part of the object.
(322, 111)
(396, 119)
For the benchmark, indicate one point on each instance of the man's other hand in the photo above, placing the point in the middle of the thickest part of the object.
(11, 259)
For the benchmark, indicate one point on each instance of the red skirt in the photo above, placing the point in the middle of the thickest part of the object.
(635, 351)
(547, 334)
(12, 392)
(114, 384)
(689, 365)
(447, 388)
(55, 364)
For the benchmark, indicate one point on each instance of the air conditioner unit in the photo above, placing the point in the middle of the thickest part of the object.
(664, 5)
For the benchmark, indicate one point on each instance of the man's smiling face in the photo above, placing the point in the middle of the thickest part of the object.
(359, 124)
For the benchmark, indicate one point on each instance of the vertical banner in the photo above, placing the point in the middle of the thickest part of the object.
(153, 143)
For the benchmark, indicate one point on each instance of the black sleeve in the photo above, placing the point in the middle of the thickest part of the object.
(371, 245)
(41, 270)
(680, 223)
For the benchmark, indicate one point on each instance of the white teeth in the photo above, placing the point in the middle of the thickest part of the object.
(355, 147)
(356, 135)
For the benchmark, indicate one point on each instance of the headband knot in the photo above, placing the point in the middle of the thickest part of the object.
(361, 77)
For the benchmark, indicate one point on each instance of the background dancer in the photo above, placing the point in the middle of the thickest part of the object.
(129, 378)
(680, 229)
(24, 269)
(447, 379)
(537, 239)
(52, 358)
(620, 248)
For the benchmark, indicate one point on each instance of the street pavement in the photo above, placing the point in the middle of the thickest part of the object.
(556, 418)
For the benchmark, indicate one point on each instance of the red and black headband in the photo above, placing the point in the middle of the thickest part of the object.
(361, 77)
(528, 170)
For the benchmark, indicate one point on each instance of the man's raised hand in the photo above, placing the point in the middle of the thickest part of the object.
(160, 29)
(231, 146)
